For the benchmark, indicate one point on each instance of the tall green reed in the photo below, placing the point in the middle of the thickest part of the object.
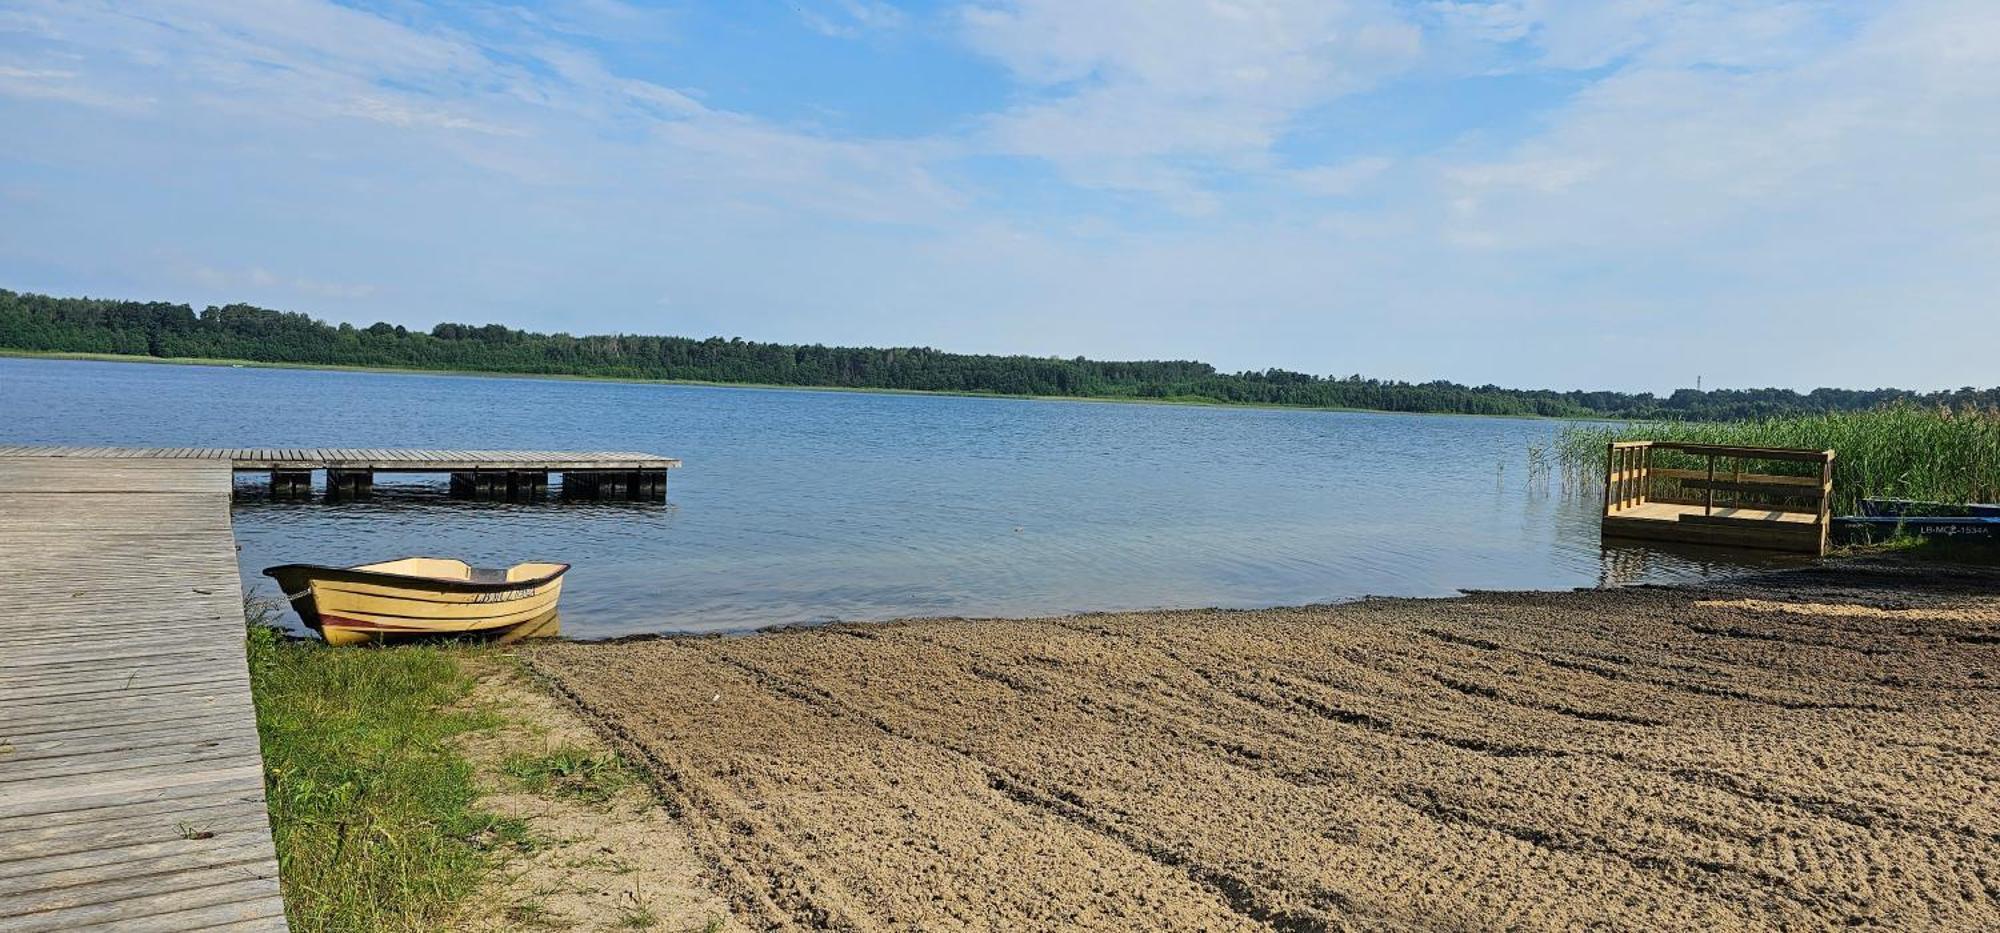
(1899, 451)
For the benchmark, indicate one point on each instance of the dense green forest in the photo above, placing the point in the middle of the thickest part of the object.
(243, 332)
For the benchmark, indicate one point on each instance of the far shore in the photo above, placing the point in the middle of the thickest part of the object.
(762, 386)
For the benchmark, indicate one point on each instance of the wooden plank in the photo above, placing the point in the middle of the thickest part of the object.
(1644, 529)
(120, 763)
(93, 669)
(218, 917)
(194, 789)
(1810, 482)
(1785, 490)
(226, 846)
(113, 827)
(54, 737)
(1776, 526)
(387, 460)
(1752, 453)
(148, 896)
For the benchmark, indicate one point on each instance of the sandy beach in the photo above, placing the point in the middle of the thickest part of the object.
(1810, 749)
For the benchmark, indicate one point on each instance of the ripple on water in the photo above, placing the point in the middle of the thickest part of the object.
(808, 506)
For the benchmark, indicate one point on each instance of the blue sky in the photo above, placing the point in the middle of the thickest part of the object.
(1569, 193)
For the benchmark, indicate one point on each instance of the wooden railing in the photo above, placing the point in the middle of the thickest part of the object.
(1630, 474)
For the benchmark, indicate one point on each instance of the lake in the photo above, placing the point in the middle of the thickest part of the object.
(805, 506)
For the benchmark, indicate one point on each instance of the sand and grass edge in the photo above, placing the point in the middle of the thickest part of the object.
(419, 788)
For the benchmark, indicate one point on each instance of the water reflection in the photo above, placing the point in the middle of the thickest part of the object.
(1627, 562)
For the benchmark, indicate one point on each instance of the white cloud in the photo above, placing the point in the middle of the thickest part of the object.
(1340, 180)
(1779, 174)
(403, 114)
(1654, 156)
(1588, 34)
(261, 280)
(849, 19)
(64, 86)
(1146, 96)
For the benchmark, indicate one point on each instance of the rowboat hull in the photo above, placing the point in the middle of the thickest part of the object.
(1901, 508)
(1863, 528)
(419, 596)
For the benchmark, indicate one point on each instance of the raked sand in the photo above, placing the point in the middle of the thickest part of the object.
(1807, 750)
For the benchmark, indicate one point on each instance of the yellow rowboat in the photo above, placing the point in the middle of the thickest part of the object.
(419, 596)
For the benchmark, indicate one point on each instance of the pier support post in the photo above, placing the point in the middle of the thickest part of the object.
(349, 484)
(483, 484)
(287, 484)
(527, 484)
(638, 485)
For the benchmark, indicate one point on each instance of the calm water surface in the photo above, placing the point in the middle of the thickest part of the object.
(800, 506)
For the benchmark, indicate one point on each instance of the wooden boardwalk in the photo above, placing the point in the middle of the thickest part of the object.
(131, 788)
(375, 459)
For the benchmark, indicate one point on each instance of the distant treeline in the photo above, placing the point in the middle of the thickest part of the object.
(243, 332)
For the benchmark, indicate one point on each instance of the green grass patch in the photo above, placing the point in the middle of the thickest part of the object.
(1896, 452)
(531, 915)
(637, 918)
(569, 771)
(372, 809)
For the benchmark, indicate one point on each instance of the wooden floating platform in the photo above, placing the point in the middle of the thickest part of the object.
(350, 471)
(131, 786)
(1718, 503)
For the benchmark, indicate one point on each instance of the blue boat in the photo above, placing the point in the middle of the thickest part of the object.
(1906, 508)
(1931, 527)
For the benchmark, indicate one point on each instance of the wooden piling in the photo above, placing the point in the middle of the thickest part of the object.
(290, 483)
(349, 484)
(525, 485)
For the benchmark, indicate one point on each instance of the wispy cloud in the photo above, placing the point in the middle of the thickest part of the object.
(1323, 184)
(262, 280)
(1149, 97)
(849, 19)
(65, 86)
(403, 114)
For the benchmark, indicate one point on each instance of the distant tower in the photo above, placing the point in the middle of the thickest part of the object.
(1697, 383)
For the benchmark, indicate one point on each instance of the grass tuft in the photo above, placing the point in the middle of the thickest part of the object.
(525, 915)
(570, 771)
(637, 918)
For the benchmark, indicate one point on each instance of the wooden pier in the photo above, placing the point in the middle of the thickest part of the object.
(350, 471)
(131, 786)
(1713, 500)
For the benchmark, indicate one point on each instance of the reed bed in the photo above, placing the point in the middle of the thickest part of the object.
(1899, 452)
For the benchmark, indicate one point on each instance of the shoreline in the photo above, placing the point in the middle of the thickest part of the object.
(1567, 758)
(759, 386)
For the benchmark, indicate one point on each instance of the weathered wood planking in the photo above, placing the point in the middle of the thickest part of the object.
(131, 788)
(377, 460)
